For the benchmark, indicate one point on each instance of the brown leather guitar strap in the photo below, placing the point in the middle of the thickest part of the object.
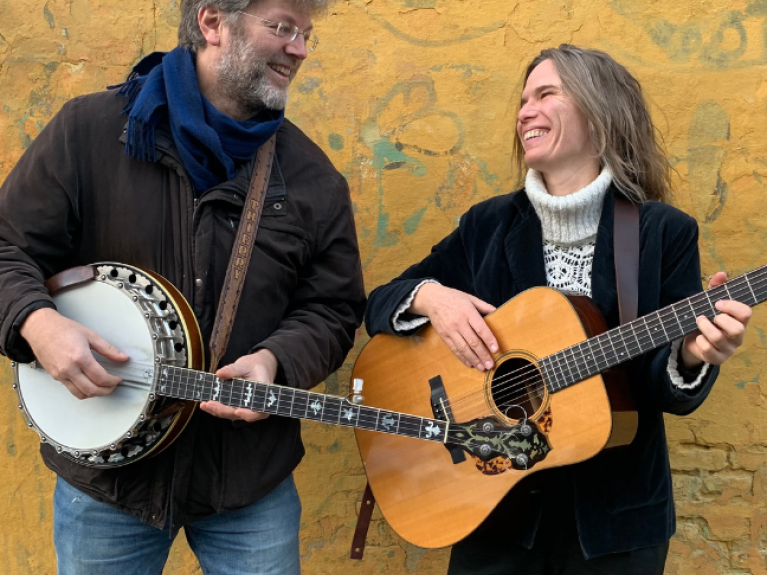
(626, 256)
(241, 252)
(363, 522)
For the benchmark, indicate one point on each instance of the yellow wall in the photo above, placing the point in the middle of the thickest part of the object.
(413, 100)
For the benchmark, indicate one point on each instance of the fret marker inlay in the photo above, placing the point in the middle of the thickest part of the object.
(249, 394)
(432, 430)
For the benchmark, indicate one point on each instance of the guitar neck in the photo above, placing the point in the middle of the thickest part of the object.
(630, 340)
(193, 385)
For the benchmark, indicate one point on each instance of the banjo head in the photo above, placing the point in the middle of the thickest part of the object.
(138, 314)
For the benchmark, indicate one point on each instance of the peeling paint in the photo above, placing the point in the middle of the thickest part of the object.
(414, 101)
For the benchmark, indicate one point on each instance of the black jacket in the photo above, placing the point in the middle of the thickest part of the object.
(75, 198)
(622, 497)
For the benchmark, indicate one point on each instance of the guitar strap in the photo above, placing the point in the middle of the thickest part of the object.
(626, 259)
(241, 252)
(363, 522)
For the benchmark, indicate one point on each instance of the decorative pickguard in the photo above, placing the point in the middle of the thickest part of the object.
(546, 420)
(494, 466)
(521, 446)
(501, 464)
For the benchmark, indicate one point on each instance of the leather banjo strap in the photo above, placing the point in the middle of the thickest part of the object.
(626, 256)
(241, 253)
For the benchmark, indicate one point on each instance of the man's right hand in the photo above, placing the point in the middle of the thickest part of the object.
(63, 347)
(457, 317)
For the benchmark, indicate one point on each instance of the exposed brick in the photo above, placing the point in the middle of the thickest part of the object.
(690, 458)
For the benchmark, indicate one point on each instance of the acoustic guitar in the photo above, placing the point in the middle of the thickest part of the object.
(550, 377)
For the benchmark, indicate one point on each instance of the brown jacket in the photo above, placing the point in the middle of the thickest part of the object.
(76, 198)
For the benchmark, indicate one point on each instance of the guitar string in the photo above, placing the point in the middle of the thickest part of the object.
(639, 341)
(361, 411)
(669, 312)
(513, 378)
(693, 302)
(504, 393)
(285, 405)
(744, 289)
(640, 344)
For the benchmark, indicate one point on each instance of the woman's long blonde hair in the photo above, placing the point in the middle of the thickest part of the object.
(620, 126)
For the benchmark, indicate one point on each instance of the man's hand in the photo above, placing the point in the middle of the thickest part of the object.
(260, 367)
(715, 342)
(456, 317)
(63, 347)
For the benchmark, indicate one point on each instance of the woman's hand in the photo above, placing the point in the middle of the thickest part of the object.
(715, 341)
(457, 317)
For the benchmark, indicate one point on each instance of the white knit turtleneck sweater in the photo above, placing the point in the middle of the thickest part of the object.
(569, 225)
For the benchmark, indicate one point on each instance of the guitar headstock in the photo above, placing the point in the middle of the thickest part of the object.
(522, 444)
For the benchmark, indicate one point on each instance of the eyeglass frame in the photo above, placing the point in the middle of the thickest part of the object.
(276, 27)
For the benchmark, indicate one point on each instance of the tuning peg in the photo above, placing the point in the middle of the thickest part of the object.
(357, 397)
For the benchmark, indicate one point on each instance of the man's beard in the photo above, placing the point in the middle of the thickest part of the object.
(242, 76)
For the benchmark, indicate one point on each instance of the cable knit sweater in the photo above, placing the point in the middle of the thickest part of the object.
(569, 225)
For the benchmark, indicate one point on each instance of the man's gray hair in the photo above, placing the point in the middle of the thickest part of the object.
(190, 36)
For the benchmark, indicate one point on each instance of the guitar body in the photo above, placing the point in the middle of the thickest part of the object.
(431, 501)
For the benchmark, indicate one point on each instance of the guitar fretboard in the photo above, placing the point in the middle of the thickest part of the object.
(630, 340)
(182, 383)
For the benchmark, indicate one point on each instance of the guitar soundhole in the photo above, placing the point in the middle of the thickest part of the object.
(517, 389)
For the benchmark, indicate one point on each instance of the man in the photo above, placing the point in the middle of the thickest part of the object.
(155, 175)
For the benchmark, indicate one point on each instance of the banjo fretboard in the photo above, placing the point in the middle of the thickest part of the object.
(182, 383)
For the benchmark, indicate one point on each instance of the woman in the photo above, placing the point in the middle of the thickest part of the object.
(585, 135)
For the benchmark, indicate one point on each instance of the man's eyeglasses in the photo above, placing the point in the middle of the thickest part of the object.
(282, 30)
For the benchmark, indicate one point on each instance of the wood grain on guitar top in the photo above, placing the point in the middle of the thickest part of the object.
(429, 500)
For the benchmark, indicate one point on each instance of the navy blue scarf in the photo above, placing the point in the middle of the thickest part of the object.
(211, 144)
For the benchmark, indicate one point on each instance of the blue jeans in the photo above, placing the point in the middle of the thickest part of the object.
(93, 538)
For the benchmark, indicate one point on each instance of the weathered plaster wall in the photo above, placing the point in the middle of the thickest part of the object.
(413, 100)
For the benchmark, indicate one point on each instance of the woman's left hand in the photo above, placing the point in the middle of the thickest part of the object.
(715, 341)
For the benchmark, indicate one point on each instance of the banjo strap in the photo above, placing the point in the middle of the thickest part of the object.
(241, 252)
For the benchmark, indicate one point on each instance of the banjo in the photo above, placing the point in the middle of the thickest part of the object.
(145, 316)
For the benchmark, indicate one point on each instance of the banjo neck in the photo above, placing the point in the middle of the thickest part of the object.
(193, 385)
